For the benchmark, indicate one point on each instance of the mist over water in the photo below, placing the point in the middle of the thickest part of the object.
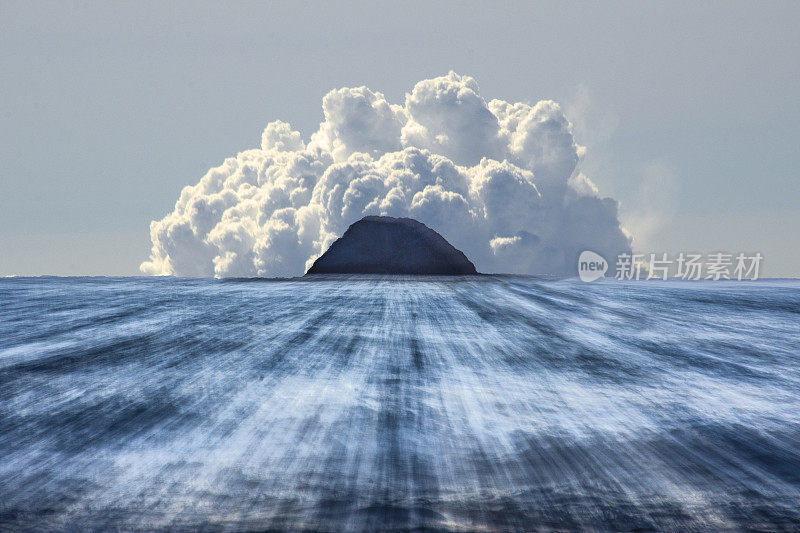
(482, 403)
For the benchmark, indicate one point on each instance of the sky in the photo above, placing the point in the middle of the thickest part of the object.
(689, 113)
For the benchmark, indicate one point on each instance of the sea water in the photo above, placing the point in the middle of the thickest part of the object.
(363, 403)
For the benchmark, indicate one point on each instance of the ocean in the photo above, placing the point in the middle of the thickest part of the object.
(487, 403)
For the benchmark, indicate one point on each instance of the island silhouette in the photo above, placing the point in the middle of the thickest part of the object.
(389, 245)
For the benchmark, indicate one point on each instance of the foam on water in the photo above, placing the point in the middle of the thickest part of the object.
(399, 403)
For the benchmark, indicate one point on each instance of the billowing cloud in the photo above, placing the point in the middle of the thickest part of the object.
(499, 180)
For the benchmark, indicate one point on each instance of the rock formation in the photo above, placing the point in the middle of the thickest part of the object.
(388, 245)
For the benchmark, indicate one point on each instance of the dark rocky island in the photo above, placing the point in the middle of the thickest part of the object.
(388, 245)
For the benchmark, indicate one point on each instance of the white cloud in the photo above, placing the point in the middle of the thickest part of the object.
(448, 116)
(499, 180)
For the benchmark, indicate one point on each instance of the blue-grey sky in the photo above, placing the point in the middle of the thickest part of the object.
(689, 113)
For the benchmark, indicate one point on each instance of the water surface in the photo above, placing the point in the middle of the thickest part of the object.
(484, 403)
